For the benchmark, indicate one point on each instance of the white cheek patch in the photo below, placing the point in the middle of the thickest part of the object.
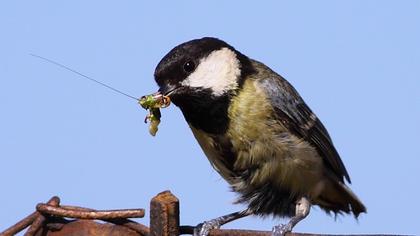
(219, 71)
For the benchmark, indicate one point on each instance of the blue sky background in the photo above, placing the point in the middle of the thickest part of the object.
(356, 63)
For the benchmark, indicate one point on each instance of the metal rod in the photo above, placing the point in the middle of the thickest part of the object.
(92, 215)
(140, 228)
(19, 226)
(40, 219)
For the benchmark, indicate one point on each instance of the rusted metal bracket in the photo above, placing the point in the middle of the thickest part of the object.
(51, 219)
(164, 215)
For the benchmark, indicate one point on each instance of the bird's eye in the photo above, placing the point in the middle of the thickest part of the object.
(189, 66)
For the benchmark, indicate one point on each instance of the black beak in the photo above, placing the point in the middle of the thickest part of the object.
(167, 89)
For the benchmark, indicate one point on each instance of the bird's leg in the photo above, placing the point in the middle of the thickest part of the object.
(204, 228)
(303, 206)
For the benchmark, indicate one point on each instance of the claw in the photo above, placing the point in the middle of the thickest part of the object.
(303, 206)
(281, 230)
(204, 228)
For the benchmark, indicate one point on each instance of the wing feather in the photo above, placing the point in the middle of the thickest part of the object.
(297, 117)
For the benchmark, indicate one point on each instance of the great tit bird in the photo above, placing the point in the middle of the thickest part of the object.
(257, 133)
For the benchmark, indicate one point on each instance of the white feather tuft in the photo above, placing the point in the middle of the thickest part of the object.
(219, 71)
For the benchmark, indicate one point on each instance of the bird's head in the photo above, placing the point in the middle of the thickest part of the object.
(201, 69)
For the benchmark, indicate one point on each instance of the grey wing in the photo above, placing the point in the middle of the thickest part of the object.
(302, 122)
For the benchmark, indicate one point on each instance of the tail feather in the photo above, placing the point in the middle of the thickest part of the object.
(338, 198)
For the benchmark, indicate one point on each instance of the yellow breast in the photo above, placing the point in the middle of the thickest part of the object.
(264, 145)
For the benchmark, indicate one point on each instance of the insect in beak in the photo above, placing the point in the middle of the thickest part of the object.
(153, 103)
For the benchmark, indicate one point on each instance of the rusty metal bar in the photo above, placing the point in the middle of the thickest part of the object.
(140, 228)
(19, 226)
(35, 220)
(91, 215)
(234, 232)
(40, 219)
(238, 232)
(186, 229)
(164, 215)
(90, 228)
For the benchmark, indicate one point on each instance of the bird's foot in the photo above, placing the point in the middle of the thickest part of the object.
(281, 230)
(204, 228)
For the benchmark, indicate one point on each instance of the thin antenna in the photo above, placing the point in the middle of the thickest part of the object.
(85, 76)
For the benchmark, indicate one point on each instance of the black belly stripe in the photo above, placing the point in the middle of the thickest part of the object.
(205, 111)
